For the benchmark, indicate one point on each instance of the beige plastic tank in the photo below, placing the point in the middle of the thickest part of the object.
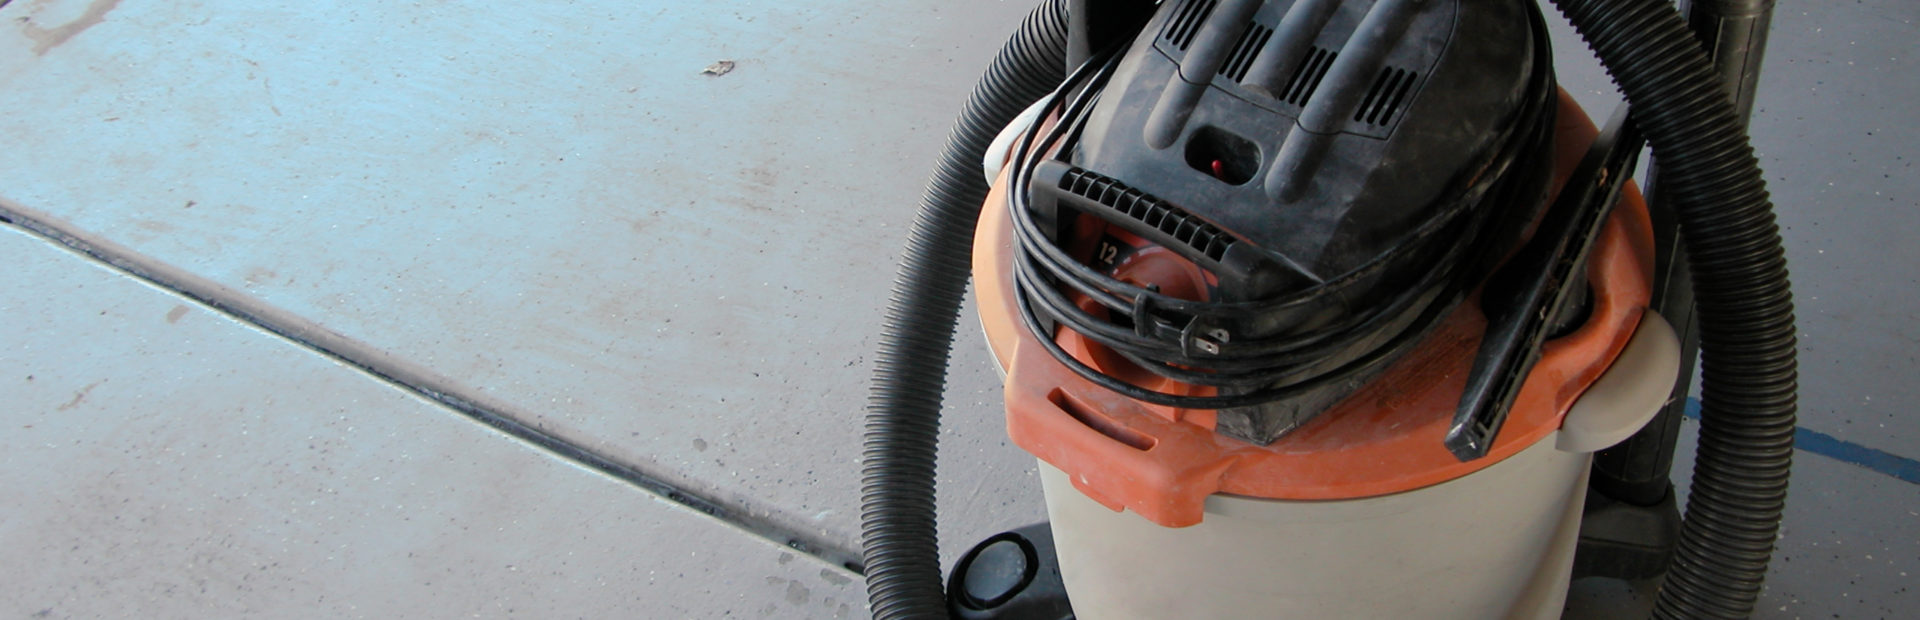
(1494, 544)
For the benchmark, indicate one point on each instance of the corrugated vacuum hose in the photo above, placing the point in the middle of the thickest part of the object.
(903, 423)
(1749, 378)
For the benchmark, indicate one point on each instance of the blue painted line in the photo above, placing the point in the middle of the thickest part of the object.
(1816, 442)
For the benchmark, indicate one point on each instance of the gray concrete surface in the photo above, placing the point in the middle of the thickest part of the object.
(551, 213)
(1836, 128)
(1849, 548)
(161, 460)
(551, 205)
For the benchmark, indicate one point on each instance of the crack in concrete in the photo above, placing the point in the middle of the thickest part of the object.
(385, 366)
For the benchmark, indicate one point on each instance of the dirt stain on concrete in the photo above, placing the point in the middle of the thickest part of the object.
(173, 316)
(260, 275)
(154, 226)
(45, 39)
(798, 594)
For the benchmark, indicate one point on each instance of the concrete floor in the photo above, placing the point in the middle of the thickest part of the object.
(162, 460)
(400, 309)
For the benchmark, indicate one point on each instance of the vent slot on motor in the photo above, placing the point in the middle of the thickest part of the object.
(1306, 79)
(1186, 23)
(1243, 54)
(1389, 92)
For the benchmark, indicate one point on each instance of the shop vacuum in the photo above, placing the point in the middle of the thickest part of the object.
(1342, 309)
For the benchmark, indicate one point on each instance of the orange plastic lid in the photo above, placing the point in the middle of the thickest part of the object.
(1386, 438)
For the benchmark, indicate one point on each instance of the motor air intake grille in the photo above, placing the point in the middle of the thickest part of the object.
(1307, 78)
(1389, 92)
(1181, 29)
(1206, 238)
(1243, 54)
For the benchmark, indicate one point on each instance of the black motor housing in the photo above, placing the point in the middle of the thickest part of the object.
(1334, 166)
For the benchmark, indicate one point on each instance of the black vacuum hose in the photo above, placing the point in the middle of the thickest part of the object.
(1744, 301)
(903, 419)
